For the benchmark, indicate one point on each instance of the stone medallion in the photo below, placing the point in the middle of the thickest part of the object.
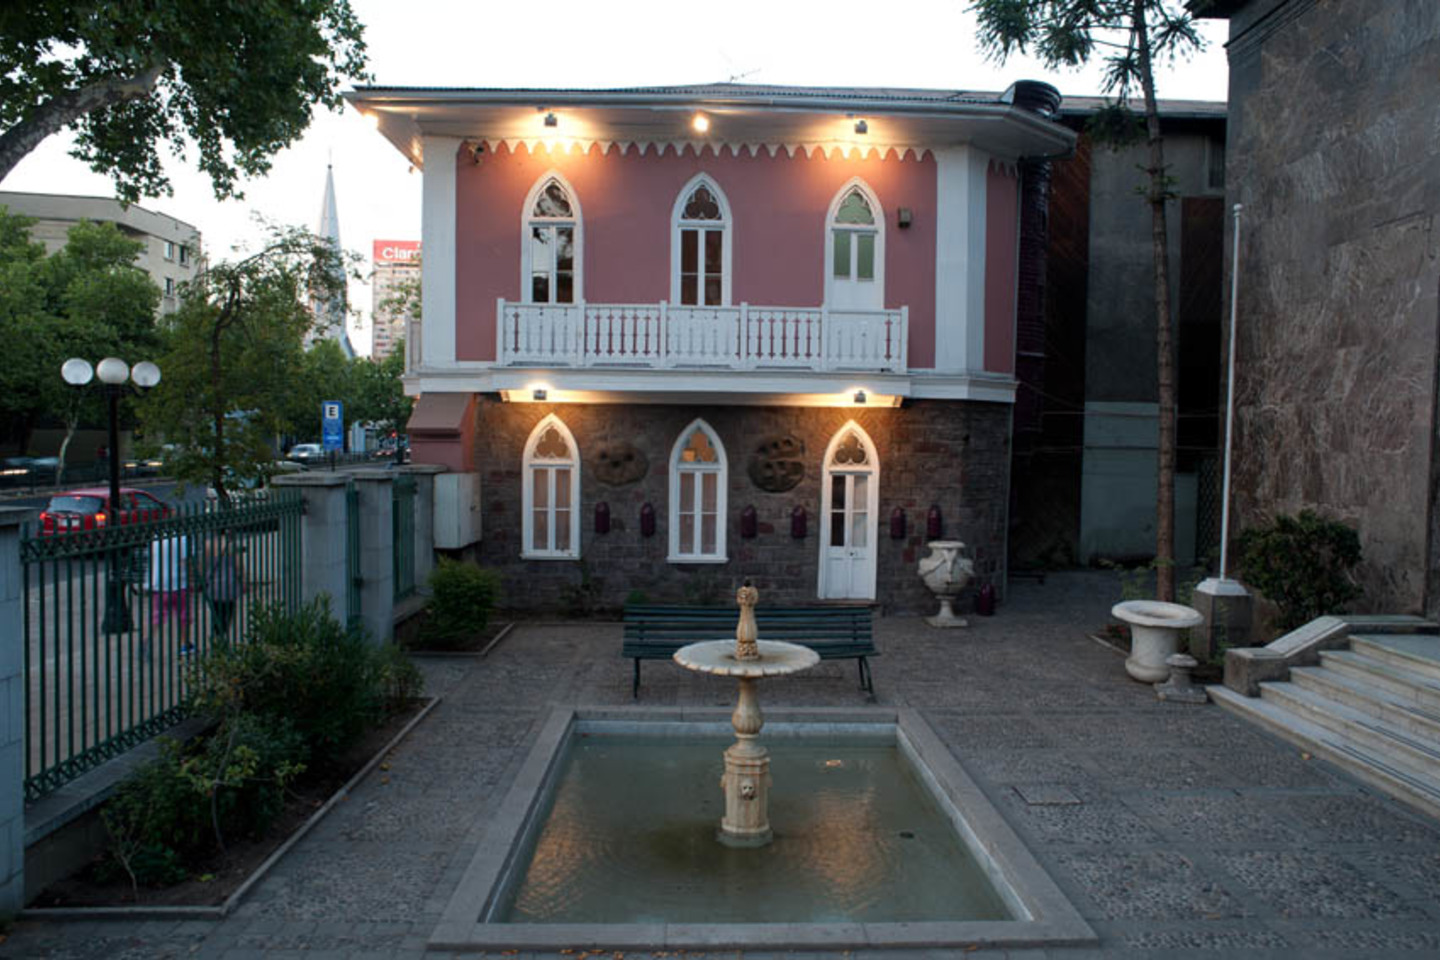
(619, 463)
(778, 463)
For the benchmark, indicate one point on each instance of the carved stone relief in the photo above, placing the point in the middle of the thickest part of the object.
(778, 463)
(617, 464)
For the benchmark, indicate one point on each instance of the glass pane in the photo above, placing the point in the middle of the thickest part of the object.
(552, 445)
(702, 205)
(540, 479)
(698, 449)
(565, 287)
(688, 286)
(712, 291)
(687, 533)
(709, 487)
(858, 521)
(562, 488)
(565, 248)
(542, 530)
(707, 534)
(687, 493)
(842, 254)
(689, 251)
(552, 202)
(837, 528)
(854, 209)
(540, 288)
(562, 530)
(714, 249)
(865, 256)
(858, 528)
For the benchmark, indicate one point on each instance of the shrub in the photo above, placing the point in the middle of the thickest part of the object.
(330, 681)
(1302, 564)
(462, 597)
(192, 799)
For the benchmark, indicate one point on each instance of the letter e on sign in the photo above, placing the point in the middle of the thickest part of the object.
(332, 411)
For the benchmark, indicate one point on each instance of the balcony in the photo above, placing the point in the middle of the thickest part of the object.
(663, 336)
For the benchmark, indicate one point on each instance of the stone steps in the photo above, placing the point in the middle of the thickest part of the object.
(1372, 710)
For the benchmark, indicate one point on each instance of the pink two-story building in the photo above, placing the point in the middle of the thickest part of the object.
(692, 335)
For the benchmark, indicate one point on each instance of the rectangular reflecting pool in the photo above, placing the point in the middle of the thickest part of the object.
(608, 839)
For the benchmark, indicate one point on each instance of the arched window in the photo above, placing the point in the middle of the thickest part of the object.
(698, 477)
(551, 494)
(550, 270)
(700, 245)
(855, 250)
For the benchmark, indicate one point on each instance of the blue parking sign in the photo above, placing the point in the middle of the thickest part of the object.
(332, 425)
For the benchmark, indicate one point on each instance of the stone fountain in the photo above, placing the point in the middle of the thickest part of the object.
(747, 763)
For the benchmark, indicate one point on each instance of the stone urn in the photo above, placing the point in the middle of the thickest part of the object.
(1155, 629)
(946, 573)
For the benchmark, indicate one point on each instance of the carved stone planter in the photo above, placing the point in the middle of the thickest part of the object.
(946, 573)
(1155, 629)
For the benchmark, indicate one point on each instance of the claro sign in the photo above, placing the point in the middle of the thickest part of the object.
(397, 251)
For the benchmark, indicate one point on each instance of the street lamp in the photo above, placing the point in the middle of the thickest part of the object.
(113, 372)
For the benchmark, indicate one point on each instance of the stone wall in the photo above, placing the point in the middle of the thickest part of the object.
(954, 454)
(1334, 134)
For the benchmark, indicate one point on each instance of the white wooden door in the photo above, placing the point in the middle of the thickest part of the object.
(848, 522)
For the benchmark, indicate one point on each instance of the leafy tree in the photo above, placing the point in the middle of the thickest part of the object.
(237, 79)
(87, 300)
(235, 354)
(1130, 35)
(378, 395)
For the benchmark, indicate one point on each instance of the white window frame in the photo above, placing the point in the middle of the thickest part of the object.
(679, 469)
(169, 250)
(828, 468)
(855, 183)
(184, 255)
(527, 288)
(726, 226)
(529, 465)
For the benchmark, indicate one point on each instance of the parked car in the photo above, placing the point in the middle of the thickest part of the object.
(303, 452)
(89, 508)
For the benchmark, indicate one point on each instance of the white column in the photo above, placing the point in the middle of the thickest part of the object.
(437, 265)
(960, 193)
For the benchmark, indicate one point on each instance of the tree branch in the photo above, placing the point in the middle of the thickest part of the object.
(65, 108)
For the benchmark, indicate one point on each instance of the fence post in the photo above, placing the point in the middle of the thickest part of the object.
(12, 714)
(377, 553)
(322, 536)
(424, 474)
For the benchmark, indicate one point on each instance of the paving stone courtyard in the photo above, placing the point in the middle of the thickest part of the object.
(1180, 831)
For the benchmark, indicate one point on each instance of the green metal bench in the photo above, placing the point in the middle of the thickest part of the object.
(836, 633)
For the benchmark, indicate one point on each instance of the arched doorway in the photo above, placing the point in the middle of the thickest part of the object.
(849, 504)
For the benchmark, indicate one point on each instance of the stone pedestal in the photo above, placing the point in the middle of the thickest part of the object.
(1228, 610)
(1179, 687)
(747, 776)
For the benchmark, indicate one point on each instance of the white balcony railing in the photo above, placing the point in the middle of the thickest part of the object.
(663, 336)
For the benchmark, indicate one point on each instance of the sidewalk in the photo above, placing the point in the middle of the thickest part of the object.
(1187, 833)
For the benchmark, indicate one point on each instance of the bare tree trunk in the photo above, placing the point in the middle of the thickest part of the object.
(1165, 360)
(66, 108)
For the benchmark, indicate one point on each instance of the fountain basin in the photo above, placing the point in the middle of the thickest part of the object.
(649, 822)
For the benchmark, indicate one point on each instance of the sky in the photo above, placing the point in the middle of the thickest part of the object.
(463, 43)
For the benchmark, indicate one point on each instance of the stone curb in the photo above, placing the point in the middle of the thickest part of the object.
(181, 912)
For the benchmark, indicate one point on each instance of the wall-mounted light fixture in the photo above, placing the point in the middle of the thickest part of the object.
(551, 120)
(903, 216)
(860, 397)
(861, 126)
(701, 123)
(539, 394)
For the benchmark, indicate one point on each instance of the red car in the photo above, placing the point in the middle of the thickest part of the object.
(90, 509)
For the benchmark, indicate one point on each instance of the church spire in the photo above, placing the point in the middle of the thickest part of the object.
(330, 316)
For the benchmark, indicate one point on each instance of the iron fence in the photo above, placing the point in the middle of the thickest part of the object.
(115, 618)
(402, 525)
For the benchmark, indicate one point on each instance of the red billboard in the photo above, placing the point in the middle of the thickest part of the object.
(397, 251)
